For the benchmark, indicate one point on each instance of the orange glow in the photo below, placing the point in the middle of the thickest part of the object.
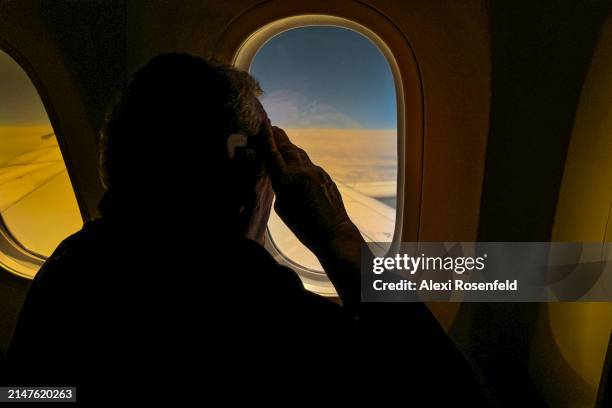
(37, 202)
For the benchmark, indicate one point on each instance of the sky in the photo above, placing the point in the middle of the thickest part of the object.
(325, 77)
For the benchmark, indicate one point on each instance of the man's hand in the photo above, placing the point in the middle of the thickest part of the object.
(307, 199)
(309, 202)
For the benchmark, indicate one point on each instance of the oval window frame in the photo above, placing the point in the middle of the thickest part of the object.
(14, 256)
(245, 36)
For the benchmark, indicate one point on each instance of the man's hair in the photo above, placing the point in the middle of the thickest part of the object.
(176, 96)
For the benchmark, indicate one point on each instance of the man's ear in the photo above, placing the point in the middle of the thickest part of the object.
(234, 141)
(245, 158)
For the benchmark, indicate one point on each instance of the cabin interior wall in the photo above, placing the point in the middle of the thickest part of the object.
(581, 331)
(540, 55)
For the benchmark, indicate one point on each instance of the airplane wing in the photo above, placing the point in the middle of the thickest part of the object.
(372, 188)
(25, 173)
(375, 219)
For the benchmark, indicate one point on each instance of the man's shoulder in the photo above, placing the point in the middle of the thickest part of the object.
(75, 247)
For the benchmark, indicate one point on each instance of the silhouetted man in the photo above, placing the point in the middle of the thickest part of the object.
(172, 282)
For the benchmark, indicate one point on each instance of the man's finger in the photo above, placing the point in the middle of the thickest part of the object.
(296, 156)
(281, 139)
(292, 154)
(273, 159)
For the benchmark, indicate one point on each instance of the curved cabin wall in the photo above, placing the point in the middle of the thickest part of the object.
(581, 331)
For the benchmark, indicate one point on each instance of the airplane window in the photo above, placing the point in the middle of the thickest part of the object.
(333, 92)
(37, 202)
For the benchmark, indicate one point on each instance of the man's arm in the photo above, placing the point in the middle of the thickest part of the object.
(309, 202)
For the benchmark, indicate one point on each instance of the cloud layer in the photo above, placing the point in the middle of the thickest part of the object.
(292, 109)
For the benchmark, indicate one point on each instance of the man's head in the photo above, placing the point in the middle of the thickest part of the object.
(167, 138)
